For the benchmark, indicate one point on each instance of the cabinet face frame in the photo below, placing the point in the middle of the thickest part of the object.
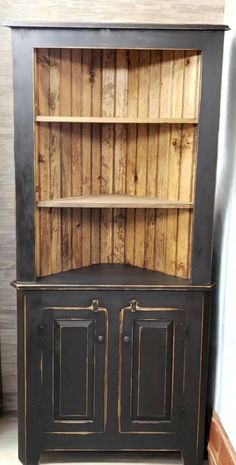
(210, 43)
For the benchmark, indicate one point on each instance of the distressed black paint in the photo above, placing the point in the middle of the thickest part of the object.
(66, 300)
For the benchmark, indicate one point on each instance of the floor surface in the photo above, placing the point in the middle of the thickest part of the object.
(8, 452)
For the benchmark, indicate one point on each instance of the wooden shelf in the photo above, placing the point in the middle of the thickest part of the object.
(113, 201)
(115, 120)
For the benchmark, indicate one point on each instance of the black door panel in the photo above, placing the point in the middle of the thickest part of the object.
(151, 369)
(75, 368)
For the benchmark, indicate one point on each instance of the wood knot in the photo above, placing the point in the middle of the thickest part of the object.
(52, 101)
(91, 75)
(44, 60)
(135, 177)
(175, 142)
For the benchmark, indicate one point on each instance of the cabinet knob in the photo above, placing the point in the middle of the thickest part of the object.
(100, 339)
(126, 339)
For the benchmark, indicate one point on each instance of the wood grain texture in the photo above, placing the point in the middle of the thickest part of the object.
(139, 160)
(204, 11)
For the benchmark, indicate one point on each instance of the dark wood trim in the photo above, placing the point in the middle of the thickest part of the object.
(201, 433)
(93, 287)
(117, 38)
(207, 157)
(76, 25)
(24, 155)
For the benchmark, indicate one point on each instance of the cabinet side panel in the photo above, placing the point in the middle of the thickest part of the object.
(23, 68)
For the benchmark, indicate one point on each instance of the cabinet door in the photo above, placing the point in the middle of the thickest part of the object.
(74, 368)
(151, 369)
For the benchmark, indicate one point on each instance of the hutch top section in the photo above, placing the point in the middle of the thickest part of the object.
(116, 129)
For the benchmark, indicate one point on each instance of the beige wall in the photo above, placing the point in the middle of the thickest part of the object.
(159, 11)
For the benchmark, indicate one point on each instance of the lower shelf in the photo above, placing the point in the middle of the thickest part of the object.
(110, 276)
(113, 201)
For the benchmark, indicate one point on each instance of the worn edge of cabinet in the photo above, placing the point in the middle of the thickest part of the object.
(20, 285)
(202, 245)
(80, 25)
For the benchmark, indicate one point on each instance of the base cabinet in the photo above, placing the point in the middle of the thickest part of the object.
(112, 370)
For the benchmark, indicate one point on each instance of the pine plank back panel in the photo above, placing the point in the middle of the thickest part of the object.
(138, 159)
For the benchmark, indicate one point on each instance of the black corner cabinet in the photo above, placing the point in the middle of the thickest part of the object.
(116, 132)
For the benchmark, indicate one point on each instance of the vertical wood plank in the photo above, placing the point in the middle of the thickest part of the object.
(191, 96)
(154, 109)
(191, 84)
(173, 190)
(96, 152)
(185, 193)
(76, 158)
(108, 94)
(86, 152)
(155, 83)
(163, 157)
(176, 109)
(141, 162)
(178, 83)
(43, 216)
(55, 159)
(162, 193)
(131, 176)
(150, 224)
(121, 102)
(66, 155)
(166, 84)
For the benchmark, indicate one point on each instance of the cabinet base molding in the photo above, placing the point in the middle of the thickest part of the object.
(220, 449)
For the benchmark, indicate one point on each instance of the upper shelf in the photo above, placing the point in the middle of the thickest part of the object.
(113, 201)
(116, 120)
